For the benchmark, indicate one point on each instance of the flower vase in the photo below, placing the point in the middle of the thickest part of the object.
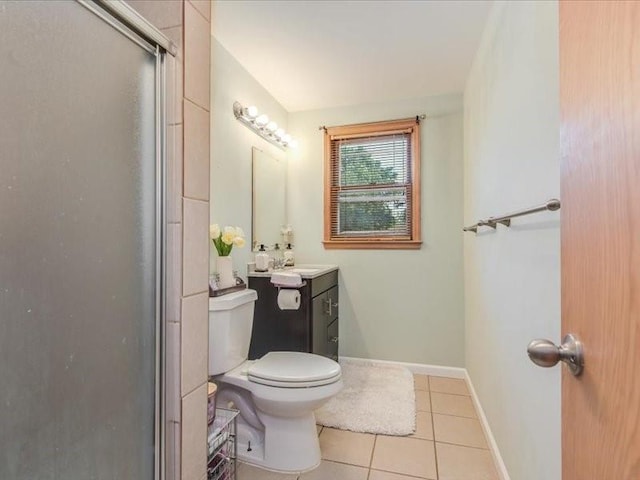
(225, 272)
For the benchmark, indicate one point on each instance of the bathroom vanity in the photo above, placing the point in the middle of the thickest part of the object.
(312, 328)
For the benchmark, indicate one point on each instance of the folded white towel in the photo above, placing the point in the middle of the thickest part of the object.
(286, 279)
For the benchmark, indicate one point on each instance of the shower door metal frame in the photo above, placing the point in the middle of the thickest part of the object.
(131, 24)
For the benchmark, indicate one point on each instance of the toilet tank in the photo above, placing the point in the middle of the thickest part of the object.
(230, 325)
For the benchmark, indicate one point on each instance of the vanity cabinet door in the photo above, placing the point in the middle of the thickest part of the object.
(275, 329)
(332, 340)
(319, 334)
(332, 304)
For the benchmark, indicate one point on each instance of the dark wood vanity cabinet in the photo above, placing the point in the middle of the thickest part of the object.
(313, 328)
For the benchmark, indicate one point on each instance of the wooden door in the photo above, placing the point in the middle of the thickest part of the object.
(600, 186)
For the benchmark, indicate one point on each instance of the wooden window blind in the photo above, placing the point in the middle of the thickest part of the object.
(372, 185)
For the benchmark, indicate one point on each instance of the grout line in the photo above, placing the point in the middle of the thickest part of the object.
(433, 431)
(195, 199)
(375, 440)
(401, 474)
(485, 449)
(201, 14)
(197, 105)
(342, 463)
(449, 393)
(457, 416)
(171, 26)
(194, 295)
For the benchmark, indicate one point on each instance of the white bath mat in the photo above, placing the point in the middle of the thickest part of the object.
(376, 398)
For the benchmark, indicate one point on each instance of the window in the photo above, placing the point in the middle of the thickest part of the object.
(372, 186)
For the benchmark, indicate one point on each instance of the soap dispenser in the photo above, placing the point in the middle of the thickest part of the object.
(262, 260)
(289, 259)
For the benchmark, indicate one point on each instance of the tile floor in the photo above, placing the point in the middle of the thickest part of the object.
(448, 444)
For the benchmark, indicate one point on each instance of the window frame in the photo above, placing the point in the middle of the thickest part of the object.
(414, 242)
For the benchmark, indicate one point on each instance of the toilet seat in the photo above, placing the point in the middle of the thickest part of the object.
(294, 370)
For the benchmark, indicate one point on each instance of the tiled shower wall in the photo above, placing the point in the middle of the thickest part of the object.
(188, 24)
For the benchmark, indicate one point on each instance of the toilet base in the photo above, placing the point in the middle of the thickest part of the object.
(292, 447)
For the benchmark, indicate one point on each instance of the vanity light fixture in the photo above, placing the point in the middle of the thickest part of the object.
(261, 125)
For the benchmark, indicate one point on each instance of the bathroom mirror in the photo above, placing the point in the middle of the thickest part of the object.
(269, 194)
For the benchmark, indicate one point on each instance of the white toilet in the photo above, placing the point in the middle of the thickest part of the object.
(276, 395)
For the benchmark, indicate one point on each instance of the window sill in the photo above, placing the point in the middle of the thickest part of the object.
(372, 244)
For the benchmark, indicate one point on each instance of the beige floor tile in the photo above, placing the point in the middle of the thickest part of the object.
(380, 475)
(247, 472)
(333, 471)
(346, 447)
(448, 385)
(464, 463)
(423, 401)
(421, 382)
(424, 426)
(459, 405)
(408, 456)
(458, 430)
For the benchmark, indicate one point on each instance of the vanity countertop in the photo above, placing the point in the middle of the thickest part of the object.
(305, 270)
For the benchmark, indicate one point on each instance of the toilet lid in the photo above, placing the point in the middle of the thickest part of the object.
(294, 369)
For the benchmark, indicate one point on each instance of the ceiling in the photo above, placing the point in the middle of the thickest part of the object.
(327, 53)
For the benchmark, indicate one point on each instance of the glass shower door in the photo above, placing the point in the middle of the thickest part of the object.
(79, 245)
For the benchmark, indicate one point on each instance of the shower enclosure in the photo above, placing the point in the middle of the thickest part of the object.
(81, 241)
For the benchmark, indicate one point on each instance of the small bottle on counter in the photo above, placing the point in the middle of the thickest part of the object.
(278, 261)
(262, 260)
(289, 258)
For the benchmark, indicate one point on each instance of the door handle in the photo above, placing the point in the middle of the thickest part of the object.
(546, 354)
(331, 305)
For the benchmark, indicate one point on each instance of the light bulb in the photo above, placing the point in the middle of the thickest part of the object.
(279, 133)
(262, 120)
(286, 138)
(272, 126)
(251, 112)
(293, 143)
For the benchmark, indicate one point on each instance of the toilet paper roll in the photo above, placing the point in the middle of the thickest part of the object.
(289, 299)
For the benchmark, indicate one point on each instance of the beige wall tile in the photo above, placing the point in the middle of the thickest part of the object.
(194, 434)
(333, 471)
(178, 106)
(346, 447)
(197, 46)
(459, 405)
(161, 13)
(457, 463)
(195, 341)
(407, 456)
(174, 174)
(196, 152)
(174, 271)
(173, 451)
(204, 7)
(173, 394)
(195, 247)
(455, 386)
(175, 35)
(458, 430)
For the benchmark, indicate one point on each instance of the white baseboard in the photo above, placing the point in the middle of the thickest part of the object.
(452, 372)
(420, 368)
(493, 446)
